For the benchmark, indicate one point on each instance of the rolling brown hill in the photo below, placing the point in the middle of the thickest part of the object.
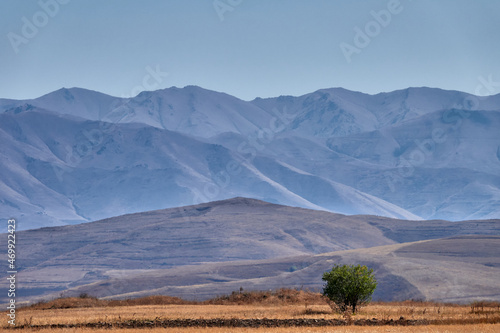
(459, 269)
(255, 241)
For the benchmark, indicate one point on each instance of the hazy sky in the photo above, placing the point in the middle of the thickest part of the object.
(247, 48)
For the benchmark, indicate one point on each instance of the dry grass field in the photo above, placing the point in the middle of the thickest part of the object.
(284, 306)
(481, 328)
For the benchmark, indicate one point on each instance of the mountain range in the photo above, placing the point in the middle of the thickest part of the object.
(76, 155)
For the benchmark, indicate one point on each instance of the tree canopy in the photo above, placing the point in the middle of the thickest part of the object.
(349, 286)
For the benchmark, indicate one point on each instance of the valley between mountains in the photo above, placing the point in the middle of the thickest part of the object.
(210, 249)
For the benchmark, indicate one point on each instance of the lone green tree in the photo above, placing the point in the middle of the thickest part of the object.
(349, 286)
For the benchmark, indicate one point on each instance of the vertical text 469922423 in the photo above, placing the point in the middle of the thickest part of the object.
(11, 271)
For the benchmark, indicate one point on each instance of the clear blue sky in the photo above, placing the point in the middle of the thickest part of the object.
(249, 48)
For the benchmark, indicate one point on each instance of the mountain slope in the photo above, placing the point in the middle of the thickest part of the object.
(64, 170)
(449, 168)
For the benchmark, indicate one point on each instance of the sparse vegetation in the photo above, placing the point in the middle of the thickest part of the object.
(282, 310)
(271, 297)
(93, 302)
(349, 286)
(485, 307)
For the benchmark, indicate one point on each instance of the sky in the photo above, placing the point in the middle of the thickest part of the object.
(248, 48)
